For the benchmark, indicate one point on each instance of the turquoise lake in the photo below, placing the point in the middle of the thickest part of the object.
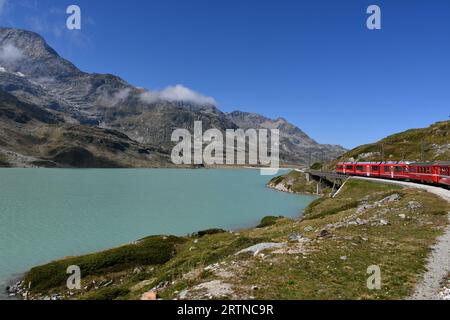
(47, 214)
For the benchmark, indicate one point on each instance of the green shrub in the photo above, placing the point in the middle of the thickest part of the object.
(203, 233)
(155, 250)
(277, 180)
(107, 294)
(268, 221)
(317, 166)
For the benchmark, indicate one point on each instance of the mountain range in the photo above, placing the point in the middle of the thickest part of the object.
(53, 114)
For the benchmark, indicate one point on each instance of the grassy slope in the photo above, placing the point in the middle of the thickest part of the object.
(295, 182)
(406, 146)
(310, 270)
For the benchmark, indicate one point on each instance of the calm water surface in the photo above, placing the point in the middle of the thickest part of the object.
(47, 214)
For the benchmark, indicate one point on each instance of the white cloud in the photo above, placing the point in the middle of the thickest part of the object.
(107, 99)
(10, 54)
(178, 93)
(122, 94)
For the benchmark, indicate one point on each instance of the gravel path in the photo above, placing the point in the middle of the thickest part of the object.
(438, 267)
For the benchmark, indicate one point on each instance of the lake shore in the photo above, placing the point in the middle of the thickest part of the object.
(367, 223)
(132, 193)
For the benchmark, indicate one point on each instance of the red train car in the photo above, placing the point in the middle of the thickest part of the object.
(389, 170)
(423, 171)
(340, 167)
(367, 169)
(395, 170)
(429, 172)
(443, 173)
(438, 173)
(347, 168)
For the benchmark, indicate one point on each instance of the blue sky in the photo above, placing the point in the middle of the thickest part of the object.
(314, 62)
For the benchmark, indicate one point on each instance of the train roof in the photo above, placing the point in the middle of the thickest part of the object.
(379, 163)
(424, 164)
(359, 162)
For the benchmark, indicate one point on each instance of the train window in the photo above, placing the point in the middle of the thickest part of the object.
(398, 169)
(386, 169)
(349, 167)
(359, 168)
(405, 169)
(375, 168)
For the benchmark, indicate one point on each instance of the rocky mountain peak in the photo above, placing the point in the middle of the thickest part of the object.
(28, 53)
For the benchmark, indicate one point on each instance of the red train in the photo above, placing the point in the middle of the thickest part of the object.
(435, 173)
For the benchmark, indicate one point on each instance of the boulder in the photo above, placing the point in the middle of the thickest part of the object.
(295, 237)
(324, 234)
(262, 246)
(391, 198)
(150, 295)
(414, 205)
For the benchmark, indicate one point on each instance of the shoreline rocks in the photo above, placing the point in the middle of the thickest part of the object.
(18, 289)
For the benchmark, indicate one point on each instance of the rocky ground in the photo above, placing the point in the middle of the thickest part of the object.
(444, 293)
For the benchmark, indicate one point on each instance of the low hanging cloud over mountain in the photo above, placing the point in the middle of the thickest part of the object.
(177, 93)
(107, 99)
(10, 54)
